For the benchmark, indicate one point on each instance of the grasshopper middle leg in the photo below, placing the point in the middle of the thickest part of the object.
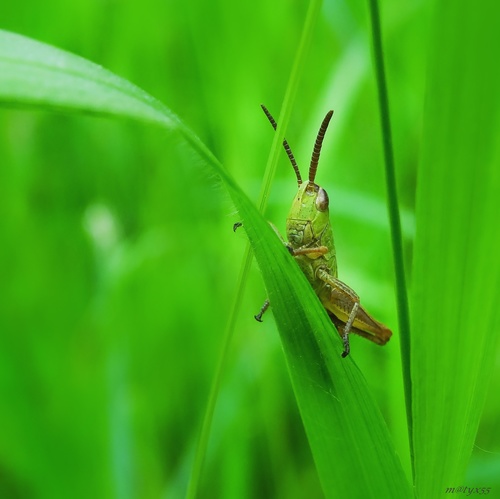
(321, 250)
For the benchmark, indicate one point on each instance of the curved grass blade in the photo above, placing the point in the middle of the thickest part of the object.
(39, 75)
(348, 437)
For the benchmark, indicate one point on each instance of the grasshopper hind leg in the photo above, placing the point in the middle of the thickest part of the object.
(344, 334)
(258, 317)
(347, 330)
(344, 329)
(347, 347)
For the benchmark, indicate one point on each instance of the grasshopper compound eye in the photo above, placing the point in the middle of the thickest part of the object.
(322, 200)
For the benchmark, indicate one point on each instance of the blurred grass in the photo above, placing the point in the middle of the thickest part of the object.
(456, 282)
(109, 276)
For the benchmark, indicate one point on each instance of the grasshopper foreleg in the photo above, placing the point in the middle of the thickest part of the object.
(318, 250)
(258, 317)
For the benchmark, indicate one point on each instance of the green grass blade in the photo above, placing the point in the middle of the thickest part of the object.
(348, 437)
(393, 207)
(35, 74)
(456, 266)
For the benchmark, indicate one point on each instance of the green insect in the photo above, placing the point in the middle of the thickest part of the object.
(310, 241)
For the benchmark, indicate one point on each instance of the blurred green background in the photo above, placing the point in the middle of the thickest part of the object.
(118, 262)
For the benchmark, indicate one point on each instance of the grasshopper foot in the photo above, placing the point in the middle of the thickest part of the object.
(347, 347)
(258, 317)
(236, 225)
(347, 329)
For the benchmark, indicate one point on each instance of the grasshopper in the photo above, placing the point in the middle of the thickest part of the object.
(310, 242)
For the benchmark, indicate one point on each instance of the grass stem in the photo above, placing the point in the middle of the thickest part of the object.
(394, 218)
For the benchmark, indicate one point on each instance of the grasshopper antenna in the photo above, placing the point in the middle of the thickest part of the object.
(317, 146)
(285, 145)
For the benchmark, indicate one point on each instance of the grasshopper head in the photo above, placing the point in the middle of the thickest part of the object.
(310, 203)
(309, 215)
